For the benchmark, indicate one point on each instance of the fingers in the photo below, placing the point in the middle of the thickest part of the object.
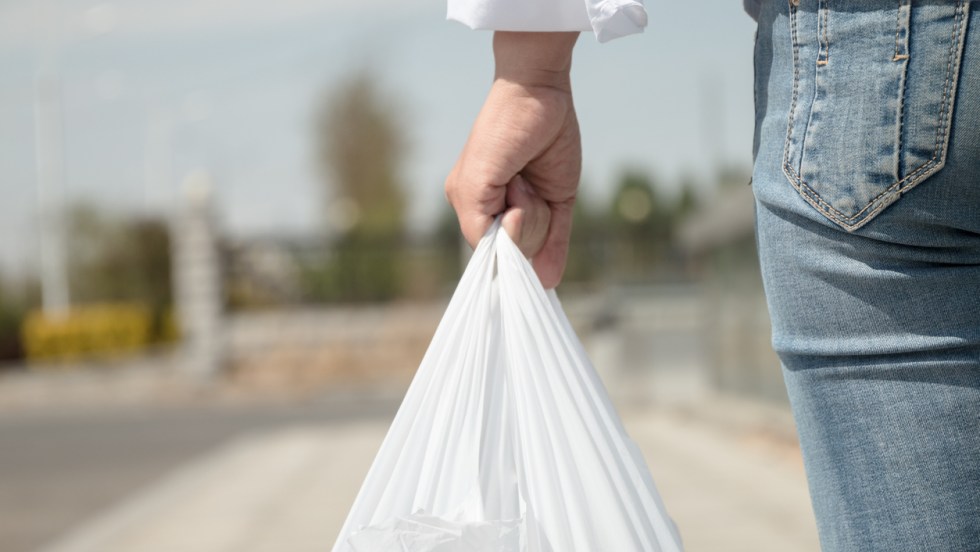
(527, 217)
(474, 226)
(475, 206)
(549, 263)
(540, 229)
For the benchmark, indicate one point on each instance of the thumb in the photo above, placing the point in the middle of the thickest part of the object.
(526, 218)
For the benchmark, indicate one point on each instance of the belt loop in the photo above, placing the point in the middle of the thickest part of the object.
(902, 30)
(823, 38)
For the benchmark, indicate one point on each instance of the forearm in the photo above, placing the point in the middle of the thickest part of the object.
(534, 59)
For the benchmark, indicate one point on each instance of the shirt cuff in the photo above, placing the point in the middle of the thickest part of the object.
(615, 18)
(609, 19)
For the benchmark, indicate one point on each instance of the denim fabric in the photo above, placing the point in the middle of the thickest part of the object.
(867, 184)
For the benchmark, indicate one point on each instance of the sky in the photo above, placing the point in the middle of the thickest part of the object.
(155, 90)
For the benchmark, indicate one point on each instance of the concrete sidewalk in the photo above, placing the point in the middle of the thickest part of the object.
(728, 488)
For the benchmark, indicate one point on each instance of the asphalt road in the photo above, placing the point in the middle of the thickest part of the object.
(58, 468)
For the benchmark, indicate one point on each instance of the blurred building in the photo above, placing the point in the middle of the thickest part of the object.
(718, 241)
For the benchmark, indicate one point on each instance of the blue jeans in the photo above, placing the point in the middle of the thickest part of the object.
(867, 185)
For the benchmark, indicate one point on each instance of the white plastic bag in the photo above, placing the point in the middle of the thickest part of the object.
(506, 440)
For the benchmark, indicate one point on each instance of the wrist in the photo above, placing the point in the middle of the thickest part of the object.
(534, 59)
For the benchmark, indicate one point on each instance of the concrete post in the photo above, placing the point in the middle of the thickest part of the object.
(197, 281)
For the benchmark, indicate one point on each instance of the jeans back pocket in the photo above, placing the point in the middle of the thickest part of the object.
(873, 93)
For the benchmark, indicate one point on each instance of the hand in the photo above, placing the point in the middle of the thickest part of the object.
(523, 157)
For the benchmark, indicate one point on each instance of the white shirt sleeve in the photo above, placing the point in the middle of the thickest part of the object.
(609, 19)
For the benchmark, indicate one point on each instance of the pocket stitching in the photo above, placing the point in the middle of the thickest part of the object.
(796, 85)
(920, 173)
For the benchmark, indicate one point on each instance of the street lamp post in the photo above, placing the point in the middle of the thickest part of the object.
(49, 164)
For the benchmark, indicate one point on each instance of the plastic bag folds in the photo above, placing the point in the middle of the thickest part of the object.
(506, 440)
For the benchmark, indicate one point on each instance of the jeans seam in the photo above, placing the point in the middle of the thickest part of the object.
(901, 56)
(921, 172)
(796, 84)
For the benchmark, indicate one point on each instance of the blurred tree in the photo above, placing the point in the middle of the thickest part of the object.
(733, 175)
(118, 259)
(636, 206)
(115, 259)
(361, 146)
(640, 224)
(587, 251)
(687, 201)
(448, 239)
(16, 299)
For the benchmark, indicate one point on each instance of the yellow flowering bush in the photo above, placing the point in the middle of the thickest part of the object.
(88, 331)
